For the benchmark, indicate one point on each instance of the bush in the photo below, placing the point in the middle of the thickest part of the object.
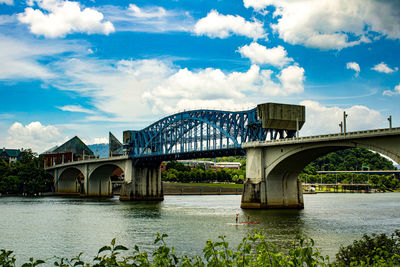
(254, 250)
(372, 250)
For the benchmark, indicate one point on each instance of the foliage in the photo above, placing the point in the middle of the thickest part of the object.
(24, 176)
(349, 160)
(178, 172)
(254, 250)
(376, 250)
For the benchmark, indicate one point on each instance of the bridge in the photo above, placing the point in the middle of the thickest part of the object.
(268, 135)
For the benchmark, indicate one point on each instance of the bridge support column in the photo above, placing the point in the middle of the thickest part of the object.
(145, 184)
(267, 188)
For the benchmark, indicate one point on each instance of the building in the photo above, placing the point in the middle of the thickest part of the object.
(211, 164)
(11, 155)
(228, 165)
(72, 150)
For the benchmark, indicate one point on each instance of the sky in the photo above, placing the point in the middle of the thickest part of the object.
(89, 67)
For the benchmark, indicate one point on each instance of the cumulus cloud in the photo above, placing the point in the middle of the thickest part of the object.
(382, 67)
(396, 91)
(127, 91)
(76, 108)
(332, 24)
(259, 54)
(57, 18)
(353, 66)
(322, 119)
(7, 2)
(212, 86)
(216, 25)
(34, 135)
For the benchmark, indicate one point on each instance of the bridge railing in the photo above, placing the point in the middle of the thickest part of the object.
(360, 134)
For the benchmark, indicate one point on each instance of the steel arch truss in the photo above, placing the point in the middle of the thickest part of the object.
(198, 133)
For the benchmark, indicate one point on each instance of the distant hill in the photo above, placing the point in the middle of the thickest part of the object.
(100, 149)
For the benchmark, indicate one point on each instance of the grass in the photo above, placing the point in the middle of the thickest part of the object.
(223, 185)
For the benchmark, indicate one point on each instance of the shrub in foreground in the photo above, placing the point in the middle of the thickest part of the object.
(372, 250)
(254, 250)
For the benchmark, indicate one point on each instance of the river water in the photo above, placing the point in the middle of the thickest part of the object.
(47, 226)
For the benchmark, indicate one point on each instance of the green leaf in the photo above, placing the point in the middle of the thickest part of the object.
(104, 249)
(120, 247)
(113, 241)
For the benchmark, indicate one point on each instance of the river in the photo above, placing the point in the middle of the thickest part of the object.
(47, 226)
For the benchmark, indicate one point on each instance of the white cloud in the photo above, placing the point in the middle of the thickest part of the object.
(19, 59)
(322, 119)
(152, 12)
(34, 135)
(148, 19)
(76, 108)
(216, 25)
(259, 54)
(396, 91)
(353, 66)
(332, 24)
(7, 2)
(128, 91)
(382, 67)
(292, 79)
(60, 18)
(100, 140)
(212, 87)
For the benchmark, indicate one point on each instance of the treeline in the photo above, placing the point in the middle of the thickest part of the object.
(254, 250)
(380, 182)
(355, 159)
(178, 172)
(349, 160)
(25, 176)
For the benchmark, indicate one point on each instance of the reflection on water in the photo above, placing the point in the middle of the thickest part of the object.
(43, 227)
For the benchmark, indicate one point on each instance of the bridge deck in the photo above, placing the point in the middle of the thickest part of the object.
(74, 163)
(325, 138)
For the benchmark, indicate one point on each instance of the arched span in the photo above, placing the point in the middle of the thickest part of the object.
(195, 131)
(186, 130)
(70, 181)
(292, 163)
(99, 181)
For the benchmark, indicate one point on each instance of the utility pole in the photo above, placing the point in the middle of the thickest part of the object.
(390, 121)
(344, 121)
(341, 127)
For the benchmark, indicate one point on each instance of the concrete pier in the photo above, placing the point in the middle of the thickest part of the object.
(144, 185)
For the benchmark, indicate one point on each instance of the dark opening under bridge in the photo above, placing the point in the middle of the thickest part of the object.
(266, 134)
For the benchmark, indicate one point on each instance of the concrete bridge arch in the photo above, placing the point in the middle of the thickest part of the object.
(99, 178)
(69, 180)
(273, 167)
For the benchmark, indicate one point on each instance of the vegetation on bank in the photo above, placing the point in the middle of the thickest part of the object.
(25, 176)
(355, 159)
(343, 160)
(254, 250)
(178, 172)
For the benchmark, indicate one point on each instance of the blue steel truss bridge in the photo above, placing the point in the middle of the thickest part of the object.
(211, 133)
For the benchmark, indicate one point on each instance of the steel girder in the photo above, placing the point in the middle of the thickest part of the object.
(199, 133)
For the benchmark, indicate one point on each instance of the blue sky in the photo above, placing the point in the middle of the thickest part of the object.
(85, 68)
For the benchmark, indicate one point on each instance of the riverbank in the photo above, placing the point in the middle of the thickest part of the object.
(202, 189)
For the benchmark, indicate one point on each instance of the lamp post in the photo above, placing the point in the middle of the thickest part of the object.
(344, 121)
(390, 121)
(341, 127)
